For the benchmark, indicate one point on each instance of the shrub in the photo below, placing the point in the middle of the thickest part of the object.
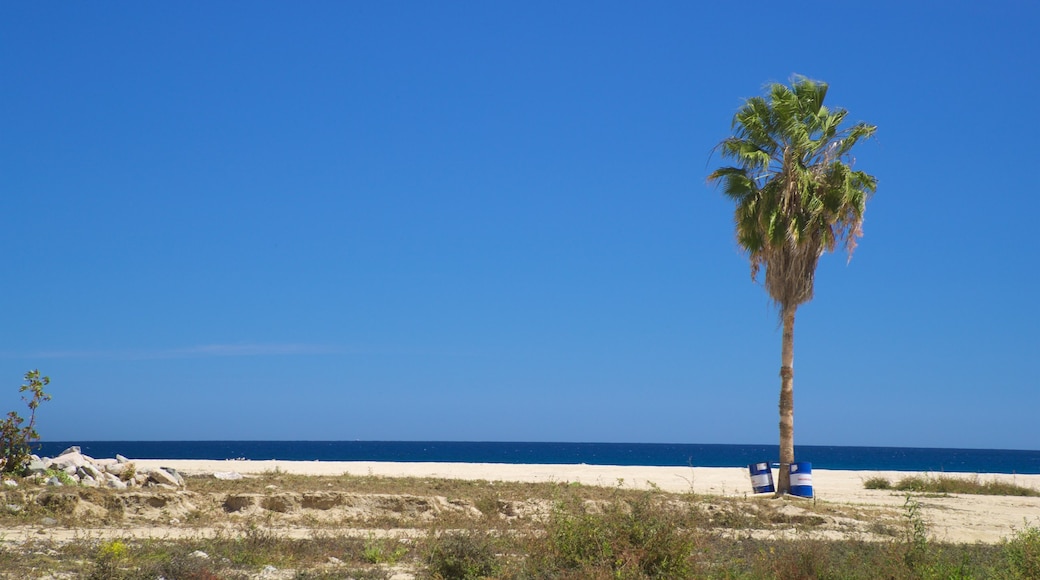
(948, 484)
(461, 556)
(642, 538)
(877, 483)
(1022, 554)
(15, 440)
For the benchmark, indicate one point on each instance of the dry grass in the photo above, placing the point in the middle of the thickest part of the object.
(477, 529)
(951, 484)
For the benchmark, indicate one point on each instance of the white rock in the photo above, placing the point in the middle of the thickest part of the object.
(121, 459)
(66, 460)
(173, 472)
(90, 470)
(161, 476)
(227, 475)
(88, 481)
(113, 481)
(73, 449)
(200, 554)
(116, 468)
(10, 483)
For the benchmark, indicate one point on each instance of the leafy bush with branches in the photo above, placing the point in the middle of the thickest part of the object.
(15, 439)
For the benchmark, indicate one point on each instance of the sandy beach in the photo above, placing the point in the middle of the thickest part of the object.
(953, 517)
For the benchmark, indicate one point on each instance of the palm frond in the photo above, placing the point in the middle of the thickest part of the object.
(792, 181)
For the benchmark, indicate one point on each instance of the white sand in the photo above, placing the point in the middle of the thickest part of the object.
(959, 518)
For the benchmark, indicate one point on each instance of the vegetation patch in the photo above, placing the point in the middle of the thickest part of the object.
(951, 484)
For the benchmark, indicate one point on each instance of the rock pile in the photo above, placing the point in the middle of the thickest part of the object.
(72, 467)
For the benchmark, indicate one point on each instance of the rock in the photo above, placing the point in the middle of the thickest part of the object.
(176, 475)
(161, 476)
(335, 561)
(12, 508)
(227, 475)
(48, 521)
(89, 470)
(268, 570)
(66, 460)
(10, 483)
(117, 468)
(100, 472)
(200, 554)
(53, 481)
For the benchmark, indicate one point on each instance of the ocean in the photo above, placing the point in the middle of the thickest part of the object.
(653, 454)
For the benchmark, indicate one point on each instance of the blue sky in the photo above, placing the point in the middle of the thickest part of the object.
(489, 221)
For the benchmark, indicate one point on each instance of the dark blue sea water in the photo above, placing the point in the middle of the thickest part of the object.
(663, 454)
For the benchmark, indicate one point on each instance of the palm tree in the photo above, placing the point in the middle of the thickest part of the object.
(796, 197)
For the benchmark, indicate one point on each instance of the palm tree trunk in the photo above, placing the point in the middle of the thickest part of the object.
(783, 485)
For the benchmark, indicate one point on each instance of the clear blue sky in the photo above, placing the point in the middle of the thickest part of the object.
(489, 221)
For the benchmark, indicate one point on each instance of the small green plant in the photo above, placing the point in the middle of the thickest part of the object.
(108, 560)
(63, 478)
(916, 534)
(877, 483)
(383, 551)
(15, 440)
(115, 549)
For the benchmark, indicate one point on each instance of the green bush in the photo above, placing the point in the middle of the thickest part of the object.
(643, 538)
(1022, 554)
(15, 440)
(461, 556)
